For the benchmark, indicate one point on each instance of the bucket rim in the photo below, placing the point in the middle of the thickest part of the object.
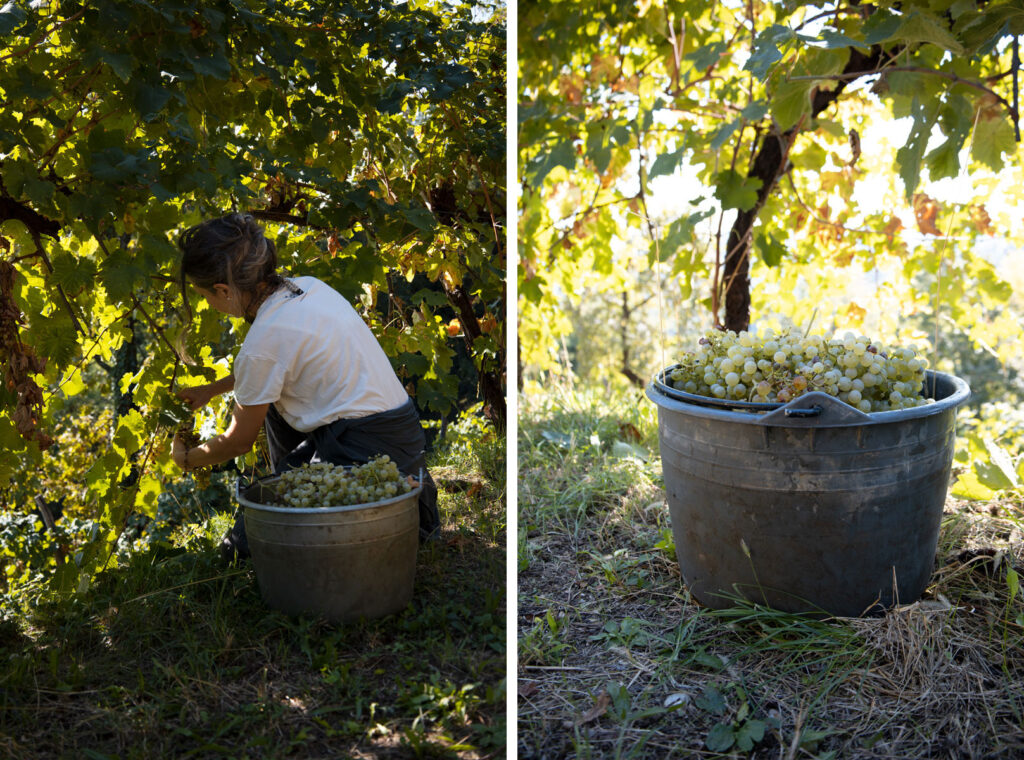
(670, 398)
(330, 509)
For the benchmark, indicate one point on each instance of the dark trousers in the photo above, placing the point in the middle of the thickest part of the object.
(397, 433)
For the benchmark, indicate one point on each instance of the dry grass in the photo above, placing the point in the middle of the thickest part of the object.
(617, 661)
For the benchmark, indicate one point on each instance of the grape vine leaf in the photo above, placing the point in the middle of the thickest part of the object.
(736, 191)
(910, 155)
(837, 40)
(563, 154)
(1000, 473)
(724, 133)
(921, 26)
(772, 250)
(120, 274)
(708, 55)
(944, 161)
(978, 28)
(768, 49)
(968, 486)
(993, 137)
(11, 17)
(55, 338)
(73, 273)
(666, 163)
(881, 26)
(792, 100)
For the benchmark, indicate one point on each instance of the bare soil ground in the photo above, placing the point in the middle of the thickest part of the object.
(616, 660)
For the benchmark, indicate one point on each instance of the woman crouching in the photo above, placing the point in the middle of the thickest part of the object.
(309, 371)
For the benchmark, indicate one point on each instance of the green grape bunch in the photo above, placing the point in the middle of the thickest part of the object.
(187, 433)
(322, 484)
(779, 367)
(174, 416)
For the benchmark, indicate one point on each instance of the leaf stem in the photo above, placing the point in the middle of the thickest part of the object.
(41, 252)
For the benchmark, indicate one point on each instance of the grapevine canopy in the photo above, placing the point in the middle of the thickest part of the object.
(743, 159)
(368, 137)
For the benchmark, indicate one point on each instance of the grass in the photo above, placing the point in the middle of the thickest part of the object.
(173, 654)
(616, 660)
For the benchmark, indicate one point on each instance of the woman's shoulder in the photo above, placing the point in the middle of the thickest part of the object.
(309, 284)
(317, 288)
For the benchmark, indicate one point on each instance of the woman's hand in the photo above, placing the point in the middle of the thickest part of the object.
(200, 395)
(238, 439)
(197, 396)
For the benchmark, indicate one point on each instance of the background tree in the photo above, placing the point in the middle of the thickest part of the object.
(767, 113)
(367, 136)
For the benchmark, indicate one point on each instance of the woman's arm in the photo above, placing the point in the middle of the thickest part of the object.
(238, 439)
(200, 395)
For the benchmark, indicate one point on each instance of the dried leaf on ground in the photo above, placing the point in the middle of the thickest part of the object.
(595, 712)
(528, 688)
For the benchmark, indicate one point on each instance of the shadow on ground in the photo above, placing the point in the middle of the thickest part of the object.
(175, 655)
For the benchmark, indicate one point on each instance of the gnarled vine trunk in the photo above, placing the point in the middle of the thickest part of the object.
(768, 165)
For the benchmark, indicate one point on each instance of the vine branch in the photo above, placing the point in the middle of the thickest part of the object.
(954, 78)
(768, 165)
(1015, 67)
(155, 327)
(32, 45)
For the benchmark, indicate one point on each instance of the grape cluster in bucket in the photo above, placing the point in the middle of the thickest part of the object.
(778, 367)
(323, 484)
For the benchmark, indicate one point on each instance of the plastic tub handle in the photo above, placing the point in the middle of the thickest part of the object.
(814, 411)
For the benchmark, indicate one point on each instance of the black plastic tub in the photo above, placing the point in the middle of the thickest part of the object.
(811, 506)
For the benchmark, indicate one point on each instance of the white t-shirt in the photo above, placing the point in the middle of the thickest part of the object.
(314, 358)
